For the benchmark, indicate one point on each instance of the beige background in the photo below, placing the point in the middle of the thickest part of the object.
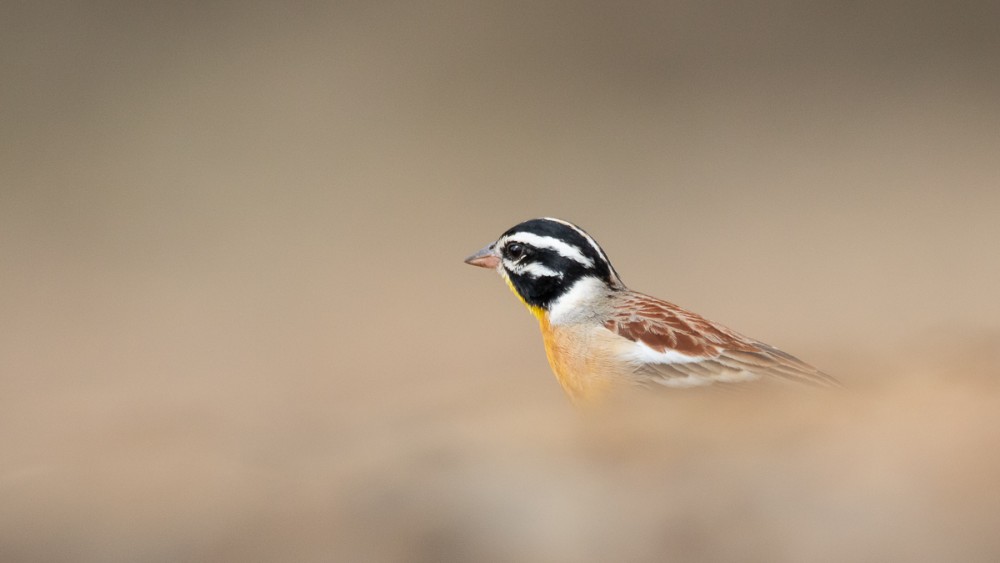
(234, 320)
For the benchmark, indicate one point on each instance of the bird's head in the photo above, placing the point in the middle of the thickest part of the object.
(544, 259)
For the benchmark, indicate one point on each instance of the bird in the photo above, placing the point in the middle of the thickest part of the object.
(601, 337)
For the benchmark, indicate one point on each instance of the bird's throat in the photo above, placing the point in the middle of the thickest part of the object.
(535, 310)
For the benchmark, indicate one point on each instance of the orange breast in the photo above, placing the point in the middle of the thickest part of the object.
(582, 360)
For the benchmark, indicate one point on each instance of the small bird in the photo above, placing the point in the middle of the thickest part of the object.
(601, 336)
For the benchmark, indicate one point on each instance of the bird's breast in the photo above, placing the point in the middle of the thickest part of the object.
(584, 358)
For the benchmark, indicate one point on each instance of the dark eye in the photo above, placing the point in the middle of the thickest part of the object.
(515, 250)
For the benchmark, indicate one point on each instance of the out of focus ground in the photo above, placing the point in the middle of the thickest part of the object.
(235, 325)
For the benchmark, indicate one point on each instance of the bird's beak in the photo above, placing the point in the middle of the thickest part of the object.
(485, 258)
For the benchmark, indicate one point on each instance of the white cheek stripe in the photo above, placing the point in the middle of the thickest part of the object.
(563, 248)
(533, 269)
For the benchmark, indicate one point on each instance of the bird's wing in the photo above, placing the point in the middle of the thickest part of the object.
(674, 347)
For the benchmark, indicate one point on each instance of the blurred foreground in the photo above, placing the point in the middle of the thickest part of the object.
(904, 470)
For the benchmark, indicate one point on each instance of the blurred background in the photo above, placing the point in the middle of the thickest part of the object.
(235, 323)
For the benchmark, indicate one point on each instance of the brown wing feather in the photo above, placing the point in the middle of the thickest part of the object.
(727, 356)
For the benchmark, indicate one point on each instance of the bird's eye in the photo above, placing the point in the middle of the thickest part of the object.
(515, 250)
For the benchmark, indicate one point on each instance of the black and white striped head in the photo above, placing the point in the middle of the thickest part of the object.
(543, 259)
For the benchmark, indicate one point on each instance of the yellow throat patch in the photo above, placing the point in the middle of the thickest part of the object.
(535, 310)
